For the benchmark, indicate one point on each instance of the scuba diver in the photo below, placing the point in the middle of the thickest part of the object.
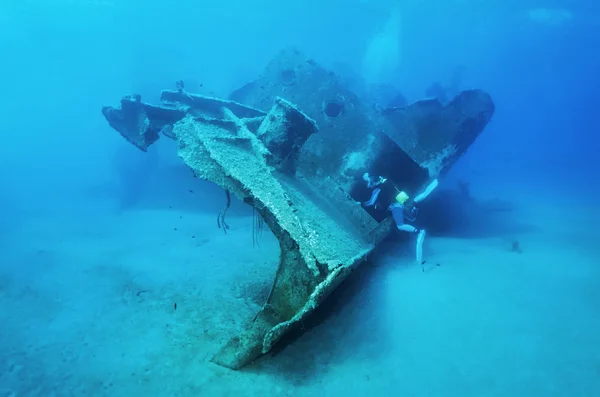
(400, 205)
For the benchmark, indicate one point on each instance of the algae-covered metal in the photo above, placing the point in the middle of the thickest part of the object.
(294, 144)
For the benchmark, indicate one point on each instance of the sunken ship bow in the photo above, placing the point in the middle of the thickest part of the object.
(294, 144)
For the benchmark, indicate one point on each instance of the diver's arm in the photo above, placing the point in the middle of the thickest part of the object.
(423, 195)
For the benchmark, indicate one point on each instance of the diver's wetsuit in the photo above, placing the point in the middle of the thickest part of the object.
(384, 195)
(399, 212)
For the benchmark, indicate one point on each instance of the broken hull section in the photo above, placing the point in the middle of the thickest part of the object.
(294, 144)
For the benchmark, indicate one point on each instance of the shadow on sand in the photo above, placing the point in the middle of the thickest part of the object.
(346, 328)
(348, 317)
(451, 213)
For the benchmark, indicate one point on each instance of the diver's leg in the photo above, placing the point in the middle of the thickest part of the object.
(407, 228)
(397, 211)
(373, 198)
(420, 240)
(398, 214)
(430, 188)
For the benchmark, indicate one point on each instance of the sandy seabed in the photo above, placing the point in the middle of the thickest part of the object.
(136, 303)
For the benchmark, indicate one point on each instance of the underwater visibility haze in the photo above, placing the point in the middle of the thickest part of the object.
(279, 198)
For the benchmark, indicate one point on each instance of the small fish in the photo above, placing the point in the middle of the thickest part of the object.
(195, 237)
(174, 228)
(175, 306)
(190, 190)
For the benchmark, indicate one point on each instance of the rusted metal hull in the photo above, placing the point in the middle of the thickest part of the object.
(294, 144)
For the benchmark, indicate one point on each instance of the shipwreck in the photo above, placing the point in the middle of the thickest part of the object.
(294, 144)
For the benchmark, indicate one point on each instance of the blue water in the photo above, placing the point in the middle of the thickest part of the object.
(88, 221)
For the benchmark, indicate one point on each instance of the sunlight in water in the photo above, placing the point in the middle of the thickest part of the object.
(549, 16)
(384, 52)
